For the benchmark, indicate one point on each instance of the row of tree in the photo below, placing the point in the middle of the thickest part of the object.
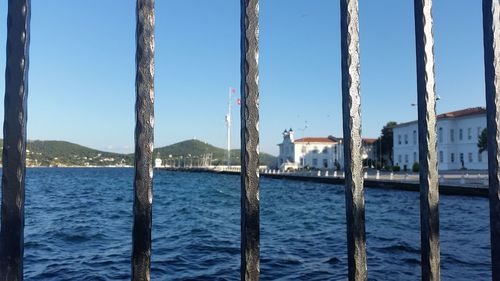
(385, 143)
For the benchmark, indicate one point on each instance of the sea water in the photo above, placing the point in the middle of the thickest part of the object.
(79, 227)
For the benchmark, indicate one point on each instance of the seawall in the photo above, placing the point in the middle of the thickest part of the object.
(444, 189)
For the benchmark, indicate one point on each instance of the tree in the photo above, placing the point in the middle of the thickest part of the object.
(384, 143)
(482, 142)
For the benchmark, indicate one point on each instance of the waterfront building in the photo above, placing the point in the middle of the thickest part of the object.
(457, 137)
(316, 152)
(158, 161)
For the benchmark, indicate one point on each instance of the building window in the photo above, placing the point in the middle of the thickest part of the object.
(479, 157)
(335, 150)
(325, 163)
(470, 157)
(452, 158)
(414, 137)
(452, 135)
(414, 157)
(441, 158)
(460, 134)
(462, 159)
(325, 150)
(406, 139)
(315, 150)
(399, 139)
(469, 133)
(304, 149)
(399, 158)
(406, 158)
(440, 135)
(315, 162)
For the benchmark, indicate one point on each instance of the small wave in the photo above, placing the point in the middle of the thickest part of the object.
(80, 238)
(333, 260)
(412, 261)
(400, 247)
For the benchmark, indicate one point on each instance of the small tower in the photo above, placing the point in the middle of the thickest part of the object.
(288, 136)
(158, 162)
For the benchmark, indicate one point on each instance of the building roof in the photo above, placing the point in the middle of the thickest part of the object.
(331, 139)
(463, 112)
(369, 140)
(314, 139)
(454, 114)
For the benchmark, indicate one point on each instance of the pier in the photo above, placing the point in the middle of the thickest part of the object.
(460, 184)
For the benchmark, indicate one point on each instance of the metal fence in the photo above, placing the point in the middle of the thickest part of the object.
(14, 150)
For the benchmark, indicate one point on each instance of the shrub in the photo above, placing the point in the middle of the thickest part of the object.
(416, 167)
(337, 166)
(396, 168)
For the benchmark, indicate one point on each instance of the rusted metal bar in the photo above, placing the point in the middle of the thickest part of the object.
(426, 97)
(250, 209)
(14, 144)
(491, 35)
(351, 107)
(143, 186)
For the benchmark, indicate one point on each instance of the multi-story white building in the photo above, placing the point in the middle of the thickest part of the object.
(457, 136)
(315, 152)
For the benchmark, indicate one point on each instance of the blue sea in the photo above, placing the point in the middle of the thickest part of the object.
(78, 227)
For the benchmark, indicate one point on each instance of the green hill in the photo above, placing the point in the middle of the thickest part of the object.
(63, 153)
(195, 149)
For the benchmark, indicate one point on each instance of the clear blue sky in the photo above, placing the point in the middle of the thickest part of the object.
(82, 67)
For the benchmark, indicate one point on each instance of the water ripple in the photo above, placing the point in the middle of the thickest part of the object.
(78, 227)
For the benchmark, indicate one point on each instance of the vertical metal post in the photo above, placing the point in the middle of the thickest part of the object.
(143, 186)
(351, 107)
(250, 209)
(491, 33)
(429, 192)
(14, 145)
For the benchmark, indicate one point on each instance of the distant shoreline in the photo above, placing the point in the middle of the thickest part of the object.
(79, 166)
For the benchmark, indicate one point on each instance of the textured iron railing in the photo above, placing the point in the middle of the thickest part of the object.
(426, 97)
(491, 34)
(250, 209)
(351, 108)
(14, 150)
(14, 145)
(143, 185)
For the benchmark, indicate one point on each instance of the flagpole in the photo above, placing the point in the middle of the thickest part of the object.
(228, 121)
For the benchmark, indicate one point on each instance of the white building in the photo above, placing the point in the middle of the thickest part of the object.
(316, 152)
(158, 161)
(457, 136)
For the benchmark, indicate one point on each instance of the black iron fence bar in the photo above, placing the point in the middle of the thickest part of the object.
(143, 186)
(14, 145)
(351, 107)
(250, 209)
(491, 34)
(426, 97)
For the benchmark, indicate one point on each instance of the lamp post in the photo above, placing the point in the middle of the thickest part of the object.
(380, 152)
(303, 130)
